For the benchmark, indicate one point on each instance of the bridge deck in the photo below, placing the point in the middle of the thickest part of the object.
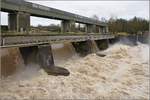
(30, 40)
(44, 11)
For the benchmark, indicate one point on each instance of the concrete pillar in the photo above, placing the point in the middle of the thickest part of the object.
(79, 27)
(94, 29)
(102, 44)
(85, 47)
(67, 26)
(107, 30)
(19, 22)
(89, 28)
(43, 56)
(72, 25)
(103, 30)
(98, 30)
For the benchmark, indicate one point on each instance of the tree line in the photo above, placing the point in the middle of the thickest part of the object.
(132, 26)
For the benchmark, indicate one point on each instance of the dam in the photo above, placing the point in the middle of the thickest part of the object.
(38, 45)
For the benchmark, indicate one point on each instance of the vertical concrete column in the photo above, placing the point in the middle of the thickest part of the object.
(102, 44)
(107, 30)
(85, 47)
(43, 56)
(72, 25)
(19, 22)
(98, 30)
(67, 26)
(94, 29)
(79, 27)
(12, 22)
(89, 28)
(103, 30)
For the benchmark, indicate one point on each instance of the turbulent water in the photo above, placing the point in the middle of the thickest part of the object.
(122, 74)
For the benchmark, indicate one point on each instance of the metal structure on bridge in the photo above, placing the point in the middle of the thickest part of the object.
(19, 12)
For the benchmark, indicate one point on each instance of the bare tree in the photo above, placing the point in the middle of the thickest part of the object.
(103, 19)
(95, 17)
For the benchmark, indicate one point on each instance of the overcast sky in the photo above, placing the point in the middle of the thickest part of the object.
(106, 9)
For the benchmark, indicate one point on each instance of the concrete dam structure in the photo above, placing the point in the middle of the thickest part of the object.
(38, 46)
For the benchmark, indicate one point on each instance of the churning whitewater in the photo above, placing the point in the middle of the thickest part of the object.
(122, 74)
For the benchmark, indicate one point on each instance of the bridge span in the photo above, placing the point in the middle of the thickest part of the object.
(19, 33)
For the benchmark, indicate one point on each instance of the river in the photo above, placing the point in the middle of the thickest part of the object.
(122, 74)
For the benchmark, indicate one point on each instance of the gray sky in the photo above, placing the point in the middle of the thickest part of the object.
(106, 9)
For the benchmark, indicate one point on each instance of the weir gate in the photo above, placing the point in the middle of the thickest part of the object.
(19, 35)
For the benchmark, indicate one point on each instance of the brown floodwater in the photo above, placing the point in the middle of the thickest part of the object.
(122, 74)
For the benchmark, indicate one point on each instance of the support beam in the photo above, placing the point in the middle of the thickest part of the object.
(85, 47)
(107, 29)
(72, 26)
(94, 29)
(79, 27)
(102, 44)
(43, 56)
(19, 22)
(89, 28)
(46, 61)
(98, 29)
(102, 29)
(67, 26)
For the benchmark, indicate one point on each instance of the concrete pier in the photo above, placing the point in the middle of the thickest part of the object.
(85, 47)
(19, 22)
(43, 56)
(89, 28)
(67, 26)
(102, 44)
